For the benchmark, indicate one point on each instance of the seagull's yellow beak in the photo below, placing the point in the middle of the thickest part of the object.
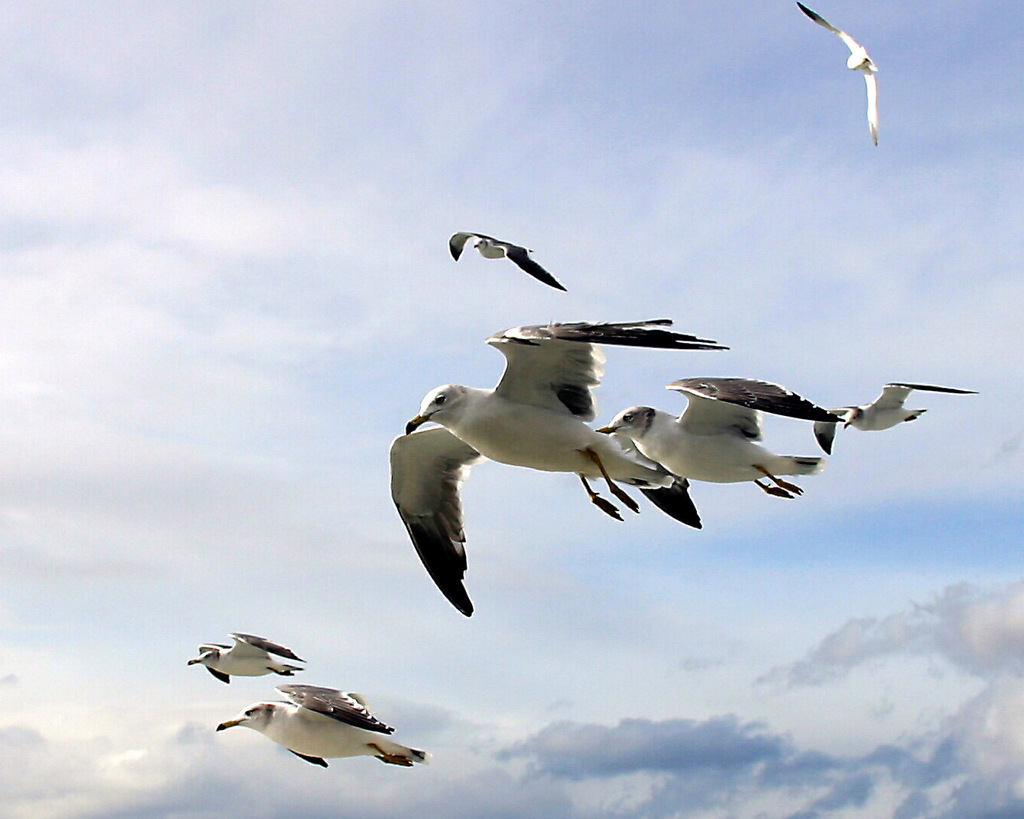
(231, 723)
(605, 430)
(414, 423)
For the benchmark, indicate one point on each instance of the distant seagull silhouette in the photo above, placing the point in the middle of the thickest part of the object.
(858, 61)
(491, 248)
(884, 412)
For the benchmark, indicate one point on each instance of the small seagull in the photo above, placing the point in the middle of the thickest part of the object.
(857, 61)
(715, 439)
(491, 248)
(884, 412)
(324, 722)
(248, 657)
(535, 417)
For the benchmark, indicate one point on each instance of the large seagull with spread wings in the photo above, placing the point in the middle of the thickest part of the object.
(535, 417)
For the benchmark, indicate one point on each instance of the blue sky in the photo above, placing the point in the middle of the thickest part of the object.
(226, 289)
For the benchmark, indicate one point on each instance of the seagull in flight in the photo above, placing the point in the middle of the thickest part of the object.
(324, 722)
(884, 412)
(491, 248)
(857, 61)
(716, 438)
(535, 417)
(248, 657)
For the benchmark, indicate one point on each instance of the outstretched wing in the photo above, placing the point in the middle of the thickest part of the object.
(335, 704)
(872, 86)
(756, 395)
(817, 18)
(521, 257)
(556, 365)
(427, 469)
(458, 241)
(932, 388)
(263, 644)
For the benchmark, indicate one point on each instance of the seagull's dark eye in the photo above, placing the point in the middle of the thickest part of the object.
(440, 399)
(628, 417)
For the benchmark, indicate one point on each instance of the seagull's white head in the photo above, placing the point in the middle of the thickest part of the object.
(860, 61)
(205, 656)
(256, 716)
(855, 414)
(633, 422)
(439, 405)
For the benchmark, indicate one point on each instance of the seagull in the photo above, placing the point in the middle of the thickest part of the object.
(324, 722)
(715, 439)
(857, 61)
(884, 412)
(535, 417)
(491, 248)
(248, 657)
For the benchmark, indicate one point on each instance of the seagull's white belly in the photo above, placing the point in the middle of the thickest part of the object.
(242, 666)
(725, 458)
(872, 420)
(316, 735)
(539, 438)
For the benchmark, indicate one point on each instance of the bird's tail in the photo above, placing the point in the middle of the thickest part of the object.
(915, 414)
(287, 670)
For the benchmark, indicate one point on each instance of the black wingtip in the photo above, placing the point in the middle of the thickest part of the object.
(675, 501)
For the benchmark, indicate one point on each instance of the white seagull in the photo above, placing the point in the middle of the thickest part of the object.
(857, 61)
(491, 248)
(884, 412)
(715, 439)
(324, 722)
(535, 417)
(248, 657)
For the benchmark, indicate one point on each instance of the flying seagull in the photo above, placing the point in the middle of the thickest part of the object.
(535, 417)
(884, 412)
(857, 61)
(321, 723)
(715, 439)
(248, 657)
(491, 248)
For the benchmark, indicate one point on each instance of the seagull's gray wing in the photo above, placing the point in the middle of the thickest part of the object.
(556, 365)
(893, 396)
(932, 388)
(335, 704)
(458, 241)
(821, 21)
(427, 468)
(754, 394)
(263, 644)
(521, 257)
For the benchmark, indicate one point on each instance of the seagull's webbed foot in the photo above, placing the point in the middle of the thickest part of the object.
(786, 486)
(390, 759)
(777, 491)
(605, 506)
(617, 491)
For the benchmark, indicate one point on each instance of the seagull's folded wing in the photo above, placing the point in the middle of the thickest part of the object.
(338, 705)
(427, 469)
(263, 644)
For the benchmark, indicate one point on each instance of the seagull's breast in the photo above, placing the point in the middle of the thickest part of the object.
(316, 735)
(725, 457)
(525, 435)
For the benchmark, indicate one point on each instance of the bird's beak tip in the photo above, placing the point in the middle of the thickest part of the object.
(413, 424)
(229, 724)
(605, 430)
